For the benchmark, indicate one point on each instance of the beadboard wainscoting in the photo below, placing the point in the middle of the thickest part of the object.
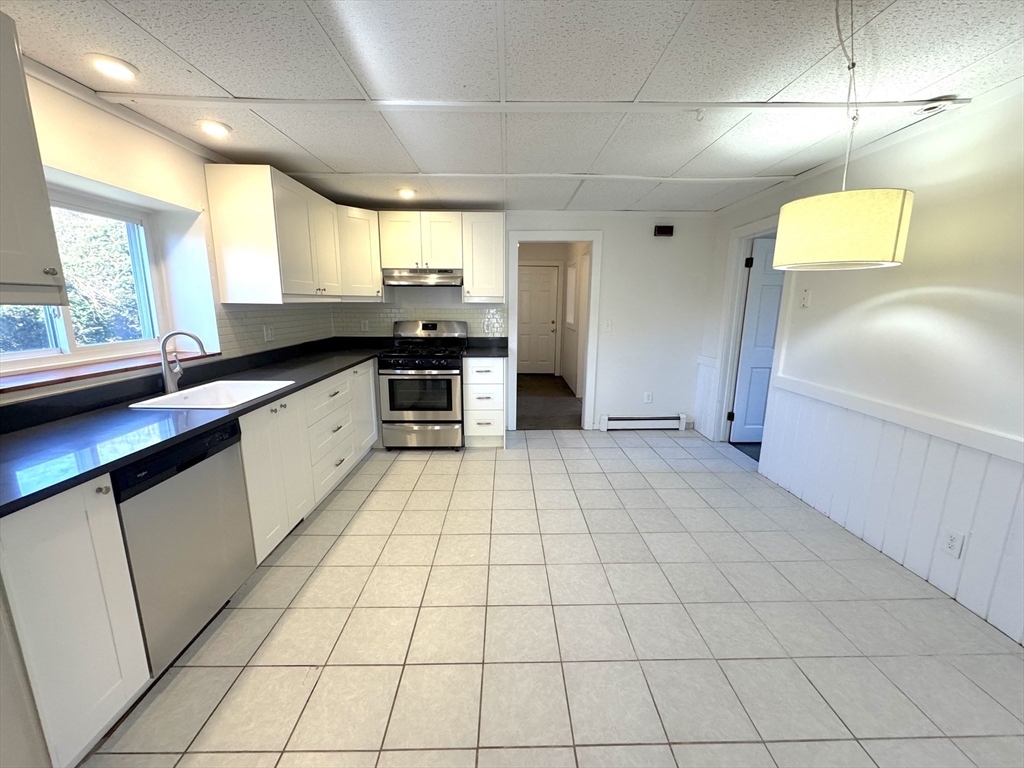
(900, 490)
(489, 321)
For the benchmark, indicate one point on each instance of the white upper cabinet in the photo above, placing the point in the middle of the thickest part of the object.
(441, 234)
(275, 240)
(483, 257)
(323, 222)
(66, 575)
(400, 246)
(294, 236)
(30, 268)
(359, 248)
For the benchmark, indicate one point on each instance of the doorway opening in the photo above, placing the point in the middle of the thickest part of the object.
(757, 347)
(552, 333)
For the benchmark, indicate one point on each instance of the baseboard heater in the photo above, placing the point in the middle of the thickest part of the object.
(678, 421)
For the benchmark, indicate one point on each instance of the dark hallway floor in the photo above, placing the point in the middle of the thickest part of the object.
(546, 402)
(753, 450)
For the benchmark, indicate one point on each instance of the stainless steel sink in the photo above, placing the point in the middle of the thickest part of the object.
(216, 394)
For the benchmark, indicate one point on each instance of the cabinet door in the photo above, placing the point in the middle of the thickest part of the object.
(264, 479)
(359, 244)
(296, 467)
(32, 272)
(483, 257)
(364, 408)
(441, 232)
(294, 247)
(400, 245)
(66, 575)
(324, 234)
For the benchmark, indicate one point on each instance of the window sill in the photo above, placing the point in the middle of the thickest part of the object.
(22, 380)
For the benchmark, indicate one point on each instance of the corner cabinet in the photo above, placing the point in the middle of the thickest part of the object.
(359, 246)
(66, 575)
(275, 240)
(483, 257)
(30, 268)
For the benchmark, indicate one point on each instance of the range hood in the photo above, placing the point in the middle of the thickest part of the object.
(422, 276)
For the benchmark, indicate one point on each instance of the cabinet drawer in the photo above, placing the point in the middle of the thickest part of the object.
(484, 370)
(330, 470)
(483, 397)
(331, 430)
(484, 423)
(329, 394)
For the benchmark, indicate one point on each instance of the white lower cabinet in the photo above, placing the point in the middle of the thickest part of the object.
(483, 401)
(278, 478)
(364, 407)
(66, 575)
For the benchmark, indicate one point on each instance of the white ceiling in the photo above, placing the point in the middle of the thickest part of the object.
(619, 56)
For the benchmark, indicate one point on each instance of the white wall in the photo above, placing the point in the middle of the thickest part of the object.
(80, 139)
(897, 403)
(652, 290)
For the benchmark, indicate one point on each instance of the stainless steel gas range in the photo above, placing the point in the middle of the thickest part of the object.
(421, 385)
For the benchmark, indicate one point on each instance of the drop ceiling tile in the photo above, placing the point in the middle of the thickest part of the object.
(375, 192)
(252, 139)
(549, 142)
(417, 50)
(450, 142)
(679, 195)
(611, 195)
(469, 194)
(739, 191)
(911, 45)
(272, 49)
(585, 50)
(61, 33)
(748, 51)
(658, 144)
(349, 142)
(764, 139)
(538, 194)
(999, 68)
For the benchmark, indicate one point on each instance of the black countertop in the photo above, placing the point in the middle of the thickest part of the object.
(42, 461)
(486, 352)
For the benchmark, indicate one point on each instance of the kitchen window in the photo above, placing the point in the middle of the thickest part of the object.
(111, 311)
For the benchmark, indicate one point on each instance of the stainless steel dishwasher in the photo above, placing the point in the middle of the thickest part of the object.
(186, 525)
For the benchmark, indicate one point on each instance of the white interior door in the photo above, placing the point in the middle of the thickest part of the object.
(538, 316)
(757, 344)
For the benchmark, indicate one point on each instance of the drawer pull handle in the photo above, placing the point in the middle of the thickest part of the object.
(337, 428)
(335, 393)
(339, 462)
(484, 423)
(483, 397)
(482, 370)
(103, 490)
(284, 405)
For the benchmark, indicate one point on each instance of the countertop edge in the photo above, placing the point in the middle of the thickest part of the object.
(85, 476)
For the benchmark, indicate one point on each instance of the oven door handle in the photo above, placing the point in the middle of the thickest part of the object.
(427, 427)
(416, 374)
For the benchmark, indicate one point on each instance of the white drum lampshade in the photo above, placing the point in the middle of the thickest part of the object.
(855, 229)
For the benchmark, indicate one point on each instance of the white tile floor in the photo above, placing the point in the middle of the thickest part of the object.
(580, 599)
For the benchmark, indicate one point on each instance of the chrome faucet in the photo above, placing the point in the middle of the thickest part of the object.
(172, 371)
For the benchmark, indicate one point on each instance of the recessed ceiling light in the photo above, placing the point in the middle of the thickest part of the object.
(406, 194)
(215, 129)
(112, 67)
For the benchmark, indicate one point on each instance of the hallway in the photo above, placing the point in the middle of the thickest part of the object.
(546, 402)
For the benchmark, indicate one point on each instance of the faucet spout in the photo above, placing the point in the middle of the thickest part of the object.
(172, 372)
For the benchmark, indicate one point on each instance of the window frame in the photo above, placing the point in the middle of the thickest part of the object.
(149, 285)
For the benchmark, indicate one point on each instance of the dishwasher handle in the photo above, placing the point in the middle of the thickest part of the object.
(143, 475)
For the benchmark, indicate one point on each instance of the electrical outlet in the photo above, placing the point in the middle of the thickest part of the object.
(805, 298)
(952, 543)
(364, 326)
(268, 333)
(607, 326)
(648, 397)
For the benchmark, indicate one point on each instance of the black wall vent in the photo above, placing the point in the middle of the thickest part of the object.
(663, 230)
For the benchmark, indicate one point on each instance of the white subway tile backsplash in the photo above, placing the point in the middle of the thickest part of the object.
(482, 321)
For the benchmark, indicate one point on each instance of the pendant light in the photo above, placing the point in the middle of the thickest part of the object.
(850, 229)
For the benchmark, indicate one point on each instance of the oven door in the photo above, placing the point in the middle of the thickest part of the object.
(420, 396)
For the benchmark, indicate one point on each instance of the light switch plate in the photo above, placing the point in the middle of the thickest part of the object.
(364, 325)
(268, 333)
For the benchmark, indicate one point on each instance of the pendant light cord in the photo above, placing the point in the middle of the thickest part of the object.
(851, 87)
